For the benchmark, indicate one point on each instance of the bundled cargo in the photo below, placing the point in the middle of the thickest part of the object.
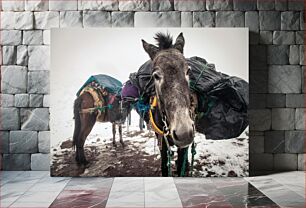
(108, 83)
(222, 99)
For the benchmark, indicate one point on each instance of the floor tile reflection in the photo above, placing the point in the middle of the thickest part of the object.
(84, 192)
(221, 192)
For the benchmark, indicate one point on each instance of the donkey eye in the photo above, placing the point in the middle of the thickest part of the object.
(156, 76)
(188, 70)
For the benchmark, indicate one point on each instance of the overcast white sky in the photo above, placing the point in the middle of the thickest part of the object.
(77, 54)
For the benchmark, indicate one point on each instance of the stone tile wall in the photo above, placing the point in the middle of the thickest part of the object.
(276, 27)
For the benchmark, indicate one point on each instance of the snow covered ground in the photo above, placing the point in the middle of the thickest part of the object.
(213, 158)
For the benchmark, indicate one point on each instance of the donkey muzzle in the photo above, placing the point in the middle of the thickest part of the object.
(183, 133)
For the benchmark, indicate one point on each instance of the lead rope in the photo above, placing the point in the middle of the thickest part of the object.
(168, 156)
(166, 133)
(185, 158)
(193, 153)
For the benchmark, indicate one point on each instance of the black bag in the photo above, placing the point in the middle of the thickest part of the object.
(226, 112)
(143, 80)
(222, 101)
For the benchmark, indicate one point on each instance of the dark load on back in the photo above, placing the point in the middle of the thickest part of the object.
(222, 99)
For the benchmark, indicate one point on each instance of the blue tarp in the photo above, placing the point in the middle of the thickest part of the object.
(111, 84)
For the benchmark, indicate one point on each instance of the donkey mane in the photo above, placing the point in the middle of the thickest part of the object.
(164, 41)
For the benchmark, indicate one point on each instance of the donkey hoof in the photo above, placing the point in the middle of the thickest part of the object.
(123, 145)
(114, 145)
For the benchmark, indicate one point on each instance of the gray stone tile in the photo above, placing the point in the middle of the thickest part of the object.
(101, 18)
(269, 20)
(295, 100)
(297, 5)
(290, 20)
(38, 82)
(301, 165)
(196, 5)
(283, 37)
(229, 19)
(10, 119)
(98, 5)
(266, 37)
(16, 161)
(71, 19)
(134, 5)
(6, 100)
(285, 79)
(261, 161)
(257, 101)
(276, 100)
(203, 19)
(281, 5)
(122, 19)
(278, 54)
(36, 120)
(294, 142)
(162, 5)
(285, 161)
(244, 5)
(283, 118)
(256, 144)
(258, 81)
(157, 19)
(274, 141)
(23, 142)
(265, 5)
(294, 54)
(260, 120)
(40, 161)
(4, 141)
(13, 79)
(216, 5)
(186, 19)
(63, 5)
(258, 56)
(300, 118)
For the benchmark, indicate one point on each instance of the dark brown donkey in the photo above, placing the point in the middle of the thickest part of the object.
(170, 74)
(85, 116)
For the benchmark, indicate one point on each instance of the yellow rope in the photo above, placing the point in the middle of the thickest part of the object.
(155, 127)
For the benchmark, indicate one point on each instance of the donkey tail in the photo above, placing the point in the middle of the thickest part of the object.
(77, 120)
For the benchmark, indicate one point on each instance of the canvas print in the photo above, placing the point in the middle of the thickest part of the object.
(149, 102)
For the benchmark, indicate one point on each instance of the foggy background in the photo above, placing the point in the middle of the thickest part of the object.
(76, 54)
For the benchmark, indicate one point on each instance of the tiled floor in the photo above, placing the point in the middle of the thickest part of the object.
(37, 189)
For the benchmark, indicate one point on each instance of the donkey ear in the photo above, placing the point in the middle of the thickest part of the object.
(179, 43)
(150, 49)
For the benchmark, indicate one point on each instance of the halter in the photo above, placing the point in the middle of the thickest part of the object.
(165, 133)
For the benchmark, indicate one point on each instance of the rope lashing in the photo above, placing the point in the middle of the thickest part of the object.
(102, 109)
(141, 107)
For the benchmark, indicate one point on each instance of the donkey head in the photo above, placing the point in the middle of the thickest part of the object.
(170, 74)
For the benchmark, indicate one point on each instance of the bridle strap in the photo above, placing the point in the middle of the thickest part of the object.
(165, 130)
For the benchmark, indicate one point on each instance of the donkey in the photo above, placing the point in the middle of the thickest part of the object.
(84, 122)
(170, 73)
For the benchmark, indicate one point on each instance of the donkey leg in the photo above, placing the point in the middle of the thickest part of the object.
(164, 158)
(120, 134)
(114, 134)
(180, 161)
(88, 121)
